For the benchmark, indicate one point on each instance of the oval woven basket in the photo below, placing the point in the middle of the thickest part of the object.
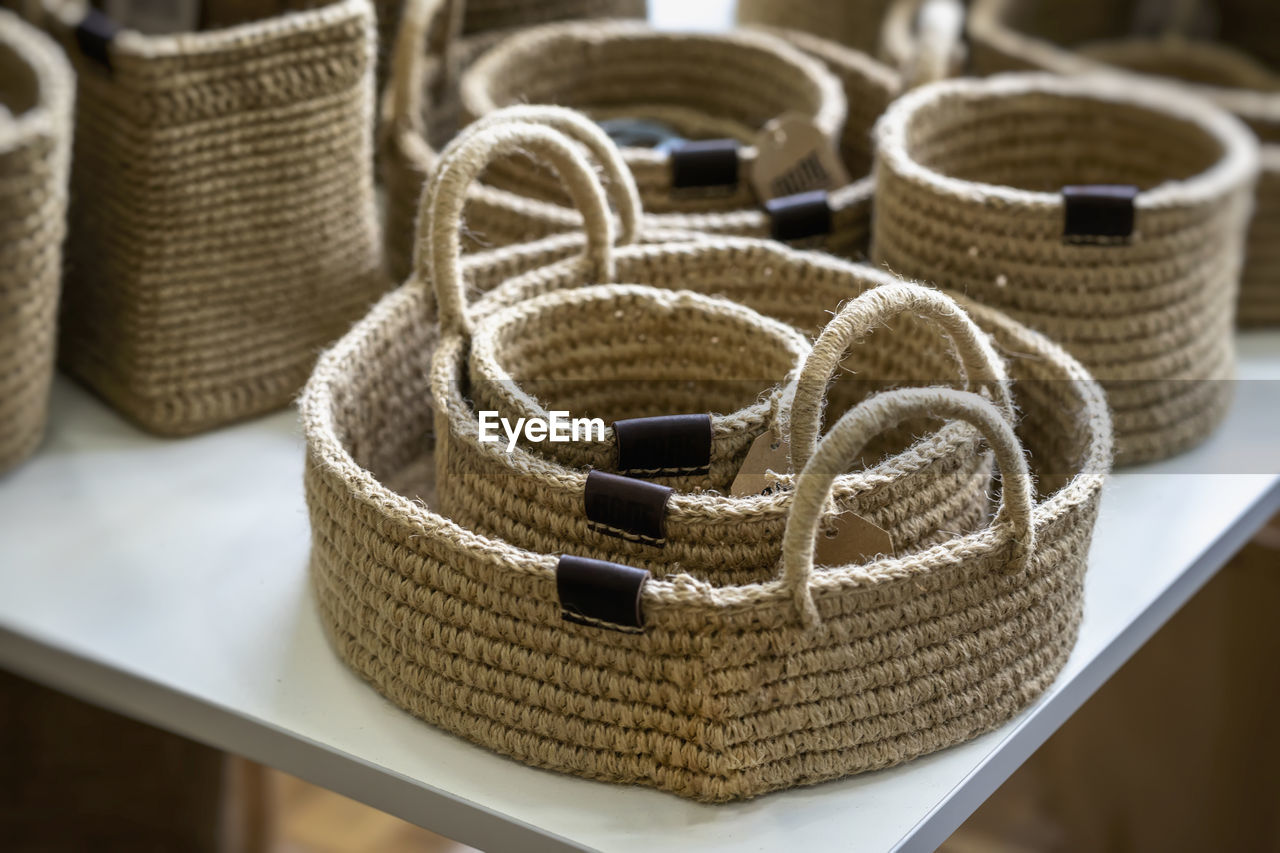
(1237, 68)
(200, 286)
(722, 692)
(36, 94)
(919, 489)
(1106, 214)
(420, 112)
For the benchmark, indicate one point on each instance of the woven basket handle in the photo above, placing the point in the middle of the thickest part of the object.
(619, 182)
(939, 34)
(1013, 521)
(446, 195)
(418, 18)
(801, 408)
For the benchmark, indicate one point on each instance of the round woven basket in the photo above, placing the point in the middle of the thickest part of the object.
(200, 286)
(1234, 66)
(1011, 190)
(710, 691)
(36, 94)
(420, 113)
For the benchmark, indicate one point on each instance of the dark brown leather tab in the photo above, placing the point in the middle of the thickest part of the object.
(599, 593)
(794, 217)
(704, 163)
(627, 508)
(94, 35)
(1098, 213)
(668, 445)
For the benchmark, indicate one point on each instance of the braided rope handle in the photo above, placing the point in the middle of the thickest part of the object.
(1013, 520)
(938, 45)
(404, 102)
(440, 219)
(801, 408)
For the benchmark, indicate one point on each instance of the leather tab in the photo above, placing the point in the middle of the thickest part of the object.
(794, 217)
(1098, 213)
(94, 35)
(599, 593)
(668, 445)
(627, 508)
(705, 163)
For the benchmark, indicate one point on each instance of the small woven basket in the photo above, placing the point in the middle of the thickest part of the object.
(36, 95)
(223, 227)
(1107, 214)
(712, 692)
(420, 113)
(1237, 70)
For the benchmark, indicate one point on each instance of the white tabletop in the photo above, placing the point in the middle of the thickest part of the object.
(167, 580)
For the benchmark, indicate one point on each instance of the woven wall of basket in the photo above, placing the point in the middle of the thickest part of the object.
(200, 286)
(36, 95)
(1225, 50)
(1107, 214)
(423, 96)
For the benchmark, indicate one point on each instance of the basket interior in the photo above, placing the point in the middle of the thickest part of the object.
(19, 83)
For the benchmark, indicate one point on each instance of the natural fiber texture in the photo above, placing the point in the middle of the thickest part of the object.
(1237, 71)
(419, 116)
(729, 691)
(968, 174)
(36, 94)
(223, 226)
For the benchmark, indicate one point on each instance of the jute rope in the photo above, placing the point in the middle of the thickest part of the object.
(968, 179)
(36, 95)
(420, 113)
(200, 286)
(1237, 71)
(726, 693)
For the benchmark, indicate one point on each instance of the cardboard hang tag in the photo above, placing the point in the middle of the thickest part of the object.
(794, 156)
(767, 453)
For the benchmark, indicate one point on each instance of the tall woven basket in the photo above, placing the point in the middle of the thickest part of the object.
(712, 691)
(1107, 214)
(223, 227)
(36, 95)
(424, 98)
(1227, 51)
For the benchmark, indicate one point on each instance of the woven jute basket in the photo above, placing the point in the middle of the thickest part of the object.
(710, 691)
(421, 111)
(223, 227)
(36, 95)
(1233, 62)
(616, 356)
(1010, 189)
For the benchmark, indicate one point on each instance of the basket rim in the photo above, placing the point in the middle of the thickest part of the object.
(1235, 169)
(50, 114)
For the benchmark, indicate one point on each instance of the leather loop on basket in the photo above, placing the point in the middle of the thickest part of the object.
(801, 406)
(667, 445)
(94, 35)
(1098, 213)
(600, 593)
(626, 508)
(705, 163)
(795, 217)
(844, 441)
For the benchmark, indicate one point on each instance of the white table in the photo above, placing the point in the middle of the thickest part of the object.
(167, 580)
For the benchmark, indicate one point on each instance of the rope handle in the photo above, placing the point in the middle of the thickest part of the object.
(1013, 520)
(446, 196)
(801, 408)
(404, 102)
(938, 44)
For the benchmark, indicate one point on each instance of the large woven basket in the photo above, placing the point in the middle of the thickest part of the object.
(1237, 67)
(421, 110)
(223, 227)
(564, 340)
(720, 692)
(36, 94)
(1005, 189)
